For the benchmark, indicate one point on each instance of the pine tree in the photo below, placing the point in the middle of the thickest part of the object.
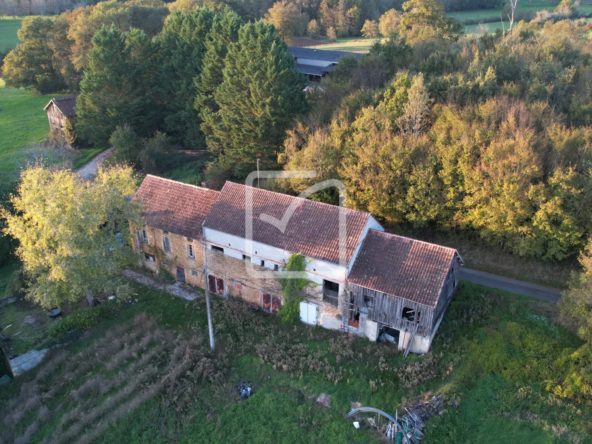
(259, 98)
(224, 32)
(117, 86)
(183, 43)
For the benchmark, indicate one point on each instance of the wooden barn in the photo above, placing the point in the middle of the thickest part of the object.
(404, 285)
(59, 110)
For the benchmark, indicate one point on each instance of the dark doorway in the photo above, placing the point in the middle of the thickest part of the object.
(180, 275)
(216, 285)
(270, 304)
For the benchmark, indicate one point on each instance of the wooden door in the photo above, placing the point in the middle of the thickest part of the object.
(180, 274)
(212, 283)
(220, 286)
(266, 302)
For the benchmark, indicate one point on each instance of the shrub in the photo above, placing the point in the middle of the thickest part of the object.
(86, 318)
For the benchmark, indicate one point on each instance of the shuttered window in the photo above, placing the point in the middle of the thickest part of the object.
(166, 244)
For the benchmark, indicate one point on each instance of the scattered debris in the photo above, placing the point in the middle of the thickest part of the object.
(54, 312)
(245, 389)
(356, 424)
(406, 429)
(27, 361)
(7, 327)
(355, 405)
(324, 399)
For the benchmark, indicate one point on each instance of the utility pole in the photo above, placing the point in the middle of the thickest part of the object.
(205, 274)
(208, 309)
(257, 172)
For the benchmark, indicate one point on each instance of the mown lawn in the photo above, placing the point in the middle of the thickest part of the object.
(136, 381)
(8, 29)
(353, 44)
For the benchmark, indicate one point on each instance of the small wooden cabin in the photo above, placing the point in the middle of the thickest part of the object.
(58, 111)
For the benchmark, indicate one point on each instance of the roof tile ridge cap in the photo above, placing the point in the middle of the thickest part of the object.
(415, 240)
(180, 183)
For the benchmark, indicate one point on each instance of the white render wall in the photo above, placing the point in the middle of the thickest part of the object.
(314, 62)
(235, 246)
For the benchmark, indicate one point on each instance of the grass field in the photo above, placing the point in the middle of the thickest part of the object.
(484, 14)
(8, 30)
(132, 379)
(353, 44)
(22, 121)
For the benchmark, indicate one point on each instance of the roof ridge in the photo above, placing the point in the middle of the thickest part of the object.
(302, 198)
(181, 183)
(414, 240)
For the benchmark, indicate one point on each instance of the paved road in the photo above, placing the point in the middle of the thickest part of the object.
(503, 283)
(90, 170)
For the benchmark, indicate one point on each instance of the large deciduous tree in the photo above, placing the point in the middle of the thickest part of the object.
(426, 20)
(117, 87)
(258, 100)
(287, 19)
(32, 65)
(73, 235)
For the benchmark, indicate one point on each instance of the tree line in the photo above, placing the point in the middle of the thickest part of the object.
(486, 135)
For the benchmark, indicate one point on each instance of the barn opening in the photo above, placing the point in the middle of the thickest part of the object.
(411, 314)
(331, 292)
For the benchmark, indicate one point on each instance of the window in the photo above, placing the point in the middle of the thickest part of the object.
(217, 249)
(190, 251)
(410, 314)
(149, 257)
(276, 267)
(246, 258)
(166, 244)
(194, 272)
(369, 301)
(263, 263)
(331, 292)
(144, 236)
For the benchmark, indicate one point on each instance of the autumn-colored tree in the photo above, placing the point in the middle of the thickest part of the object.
(576, 303)
(416, 109)
(426, 20)
(287, 19)
(370, 29)
(32, 64)
(73, 235)
(389, 22)
(313, 30)
(331, 34)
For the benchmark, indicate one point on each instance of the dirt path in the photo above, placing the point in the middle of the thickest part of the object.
(90, 170)
(175, 289)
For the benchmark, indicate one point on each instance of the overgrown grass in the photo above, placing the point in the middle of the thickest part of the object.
(499, 383)
(6, 274)
(22, 121)
(86, 154)
(8, 28)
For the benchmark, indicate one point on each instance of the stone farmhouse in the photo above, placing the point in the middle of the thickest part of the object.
(366, 281)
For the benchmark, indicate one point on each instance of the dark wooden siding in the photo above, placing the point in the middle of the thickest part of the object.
(388, 309)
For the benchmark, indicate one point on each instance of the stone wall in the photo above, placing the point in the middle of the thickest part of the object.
(177, 257)
(238, 282)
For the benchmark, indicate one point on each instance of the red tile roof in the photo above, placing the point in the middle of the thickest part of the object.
(402, 267)
(174, 206)
(312, 230)
(65, 104)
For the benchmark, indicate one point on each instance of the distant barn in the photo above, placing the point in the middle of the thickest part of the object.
(315, 63)
(58, 111)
